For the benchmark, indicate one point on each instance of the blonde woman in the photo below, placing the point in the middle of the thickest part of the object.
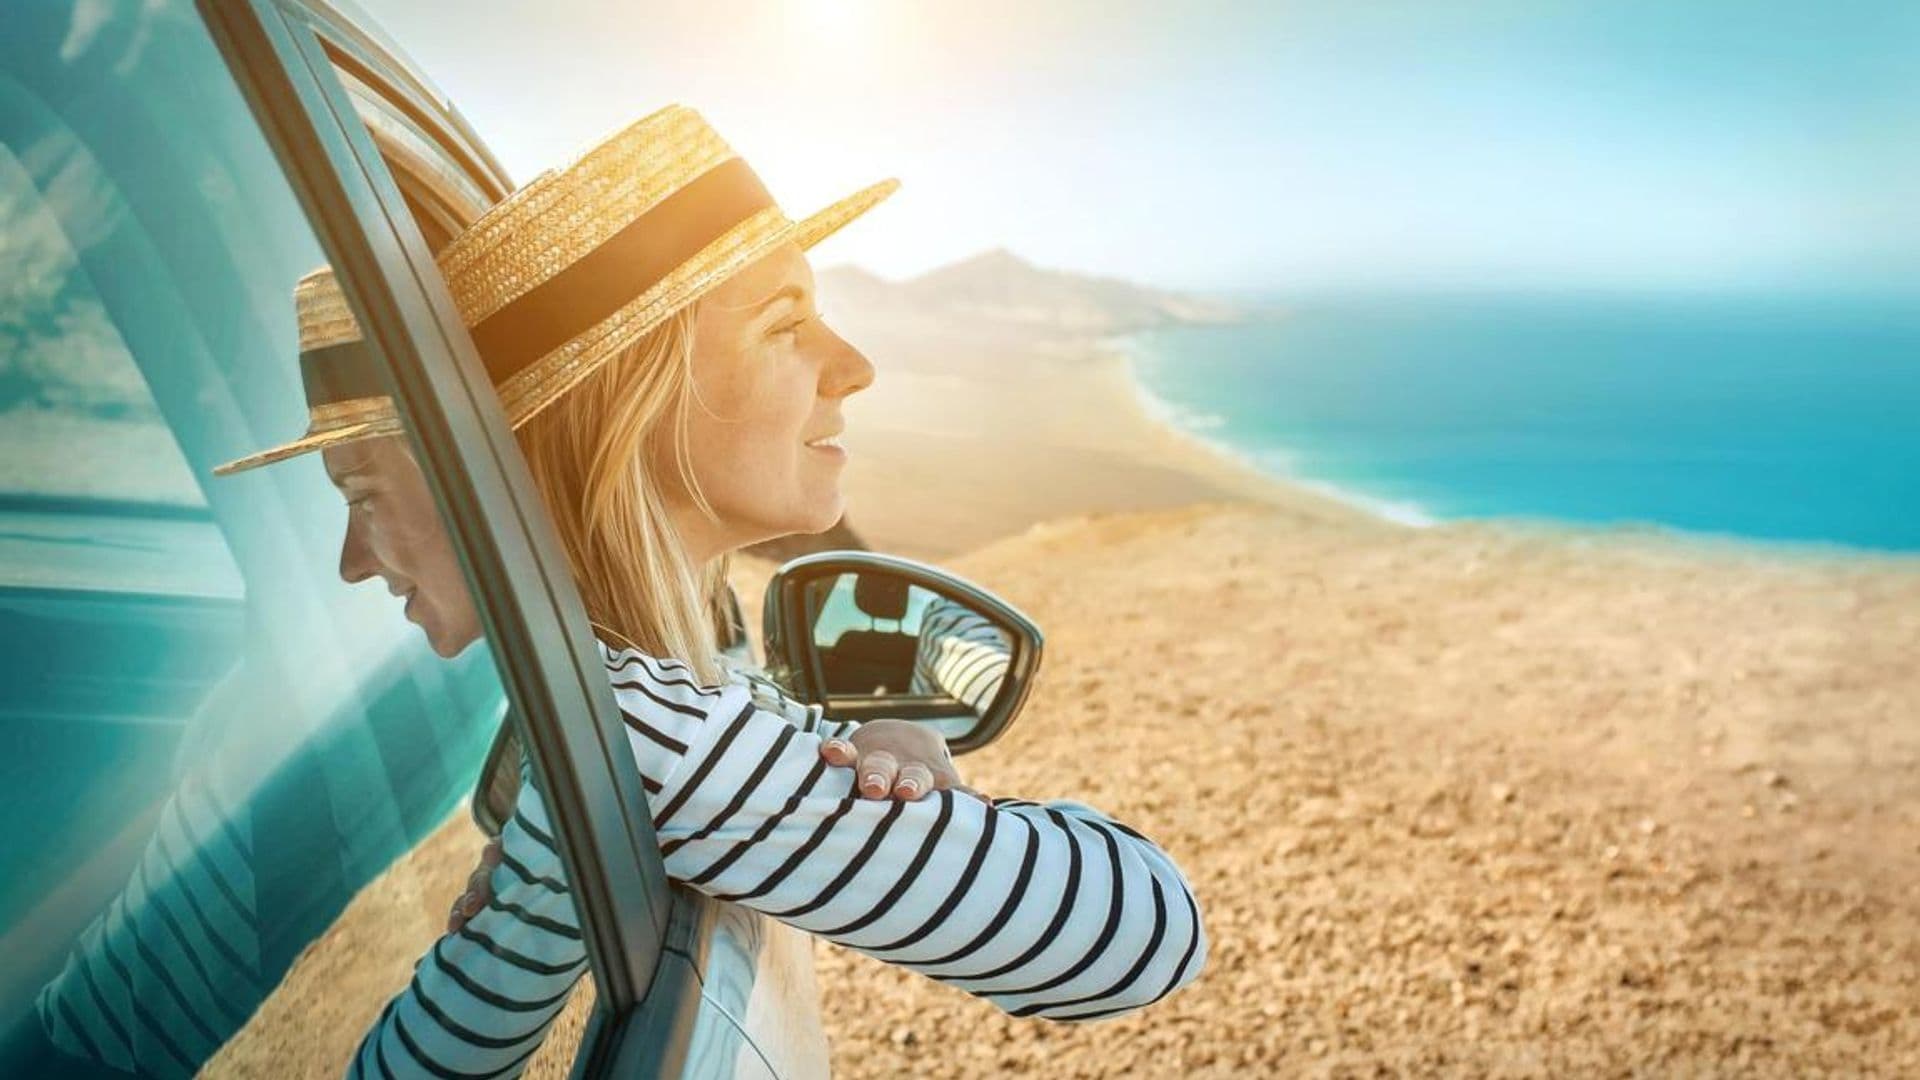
(648, 316)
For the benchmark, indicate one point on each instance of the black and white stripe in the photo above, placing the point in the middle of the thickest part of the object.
(1047, 910)
(481, 1000)
(172, 965)
(960, 653)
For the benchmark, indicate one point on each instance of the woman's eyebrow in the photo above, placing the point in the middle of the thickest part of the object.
(785, 292)
(361, 470)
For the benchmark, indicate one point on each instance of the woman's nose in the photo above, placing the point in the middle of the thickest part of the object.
(847, 371)
(357, 563)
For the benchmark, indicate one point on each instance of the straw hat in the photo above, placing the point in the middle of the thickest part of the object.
(558, 277)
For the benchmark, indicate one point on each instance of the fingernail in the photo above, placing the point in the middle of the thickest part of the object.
(909, 789)
(873, 785)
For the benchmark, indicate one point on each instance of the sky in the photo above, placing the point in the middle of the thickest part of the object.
(1272, 146)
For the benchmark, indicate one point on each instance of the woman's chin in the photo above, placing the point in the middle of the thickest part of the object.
(819, 514)
(831, 515)
(807, 519)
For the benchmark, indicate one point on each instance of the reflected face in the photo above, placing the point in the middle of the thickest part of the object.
(768, 377)
(394, 533)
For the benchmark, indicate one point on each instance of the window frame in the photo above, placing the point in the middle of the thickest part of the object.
(281, 54)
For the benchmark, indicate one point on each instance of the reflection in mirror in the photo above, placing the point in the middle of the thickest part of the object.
(877, 635)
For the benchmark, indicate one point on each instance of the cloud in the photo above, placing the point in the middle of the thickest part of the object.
(59, 349)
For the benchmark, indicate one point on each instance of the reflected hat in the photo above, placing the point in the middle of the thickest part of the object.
(560, 276)
(347, 397)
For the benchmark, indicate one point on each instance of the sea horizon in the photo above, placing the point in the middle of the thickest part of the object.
(1761, 416)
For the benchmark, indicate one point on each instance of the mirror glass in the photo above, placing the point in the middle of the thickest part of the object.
(935, 659)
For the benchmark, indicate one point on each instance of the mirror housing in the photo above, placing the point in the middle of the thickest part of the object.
(973, 626)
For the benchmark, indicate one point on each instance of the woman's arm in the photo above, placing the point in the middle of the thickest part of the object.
(1046, 910)
(770, 696)
(482, 998)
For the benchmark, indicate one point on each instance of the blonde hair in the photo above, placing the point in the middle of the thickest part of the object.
(590, 454)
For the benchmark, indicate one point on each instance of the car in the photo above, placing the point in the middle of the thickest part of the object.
(237, 784)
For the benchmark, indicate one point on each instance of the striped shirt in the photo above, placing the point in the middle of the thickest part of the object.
(960, 653)
(1044, 909)
(173, 965)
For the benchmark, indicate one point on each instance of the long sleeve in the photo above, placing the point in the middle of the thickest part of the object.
(1048, 910)
(482, 998)
(960, 653)
(171, 967)
(767, 694)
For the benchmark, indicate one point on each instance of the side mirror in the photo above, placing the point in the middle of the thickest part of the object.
(871, 636)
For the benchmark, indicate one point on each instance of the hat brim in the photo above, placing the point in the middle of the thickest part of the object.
(307, 444)
(824, 223)
(527, 395)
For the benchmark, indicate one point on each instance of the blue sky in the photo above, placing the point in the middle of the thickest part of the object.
(1617, 144)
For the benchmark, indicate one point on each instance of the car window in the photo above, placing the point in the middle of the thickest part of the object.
(236, 782)
(439, 192)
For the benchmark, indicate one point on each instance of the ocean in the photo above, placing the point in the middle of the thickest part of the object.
(1772, 418)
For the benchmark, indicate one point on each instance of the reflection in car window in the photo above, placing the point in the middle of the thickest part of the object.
(244, 778)
(66, 378)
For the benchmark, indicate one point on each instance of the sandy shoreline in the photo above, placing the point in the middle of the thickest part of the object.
(961, 442)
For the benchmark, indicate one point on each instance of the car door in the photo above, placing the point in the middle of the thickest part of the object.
(237, 781)
(733, 992)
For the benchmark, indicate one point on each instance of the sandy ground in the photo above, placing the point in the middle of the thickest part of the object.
(1465, 802)
(1475, 800)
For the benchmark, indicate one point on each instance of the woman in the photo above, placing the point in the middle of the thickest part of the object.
(647, 316)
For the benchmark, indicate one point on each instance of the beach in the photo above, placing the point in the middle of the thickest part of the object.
(972, 432)
(1465, 800)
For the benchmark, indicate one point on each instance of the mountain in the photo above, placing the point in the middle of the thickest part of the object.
(1000, 287)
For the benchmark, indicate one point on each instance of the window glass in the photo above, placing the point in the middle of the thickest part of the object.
(840, 611)
(238, 782)
(442, 198)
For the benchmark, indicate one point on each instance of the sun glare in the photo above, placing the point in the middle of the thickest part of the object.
(832, 19)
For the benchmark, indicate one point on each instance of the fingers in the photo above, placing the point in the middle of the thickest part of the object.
(479, 887)
(839, 752)
(914, 781)
(879, 771)
(890, 773)
(469, 905)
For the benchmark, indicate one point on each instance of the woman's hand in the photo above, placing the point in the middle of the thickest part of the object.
(479, 888)
(896, 759)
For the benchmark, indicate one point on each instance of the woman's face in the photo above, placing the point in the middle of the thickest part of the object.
(764, 425)
(394, 533)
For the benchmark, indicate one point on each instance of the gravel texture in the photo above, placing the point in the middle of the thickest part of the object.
(1465, 801)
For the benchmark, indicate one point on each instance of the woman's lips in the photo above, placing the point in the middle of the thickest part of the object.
(829, 446)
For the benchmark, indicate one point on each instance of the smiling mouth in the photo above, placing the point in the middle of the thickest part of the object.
(831, 442)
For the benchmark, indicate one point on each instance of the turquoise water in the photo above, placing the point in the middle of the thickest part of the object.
(1782, 419)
